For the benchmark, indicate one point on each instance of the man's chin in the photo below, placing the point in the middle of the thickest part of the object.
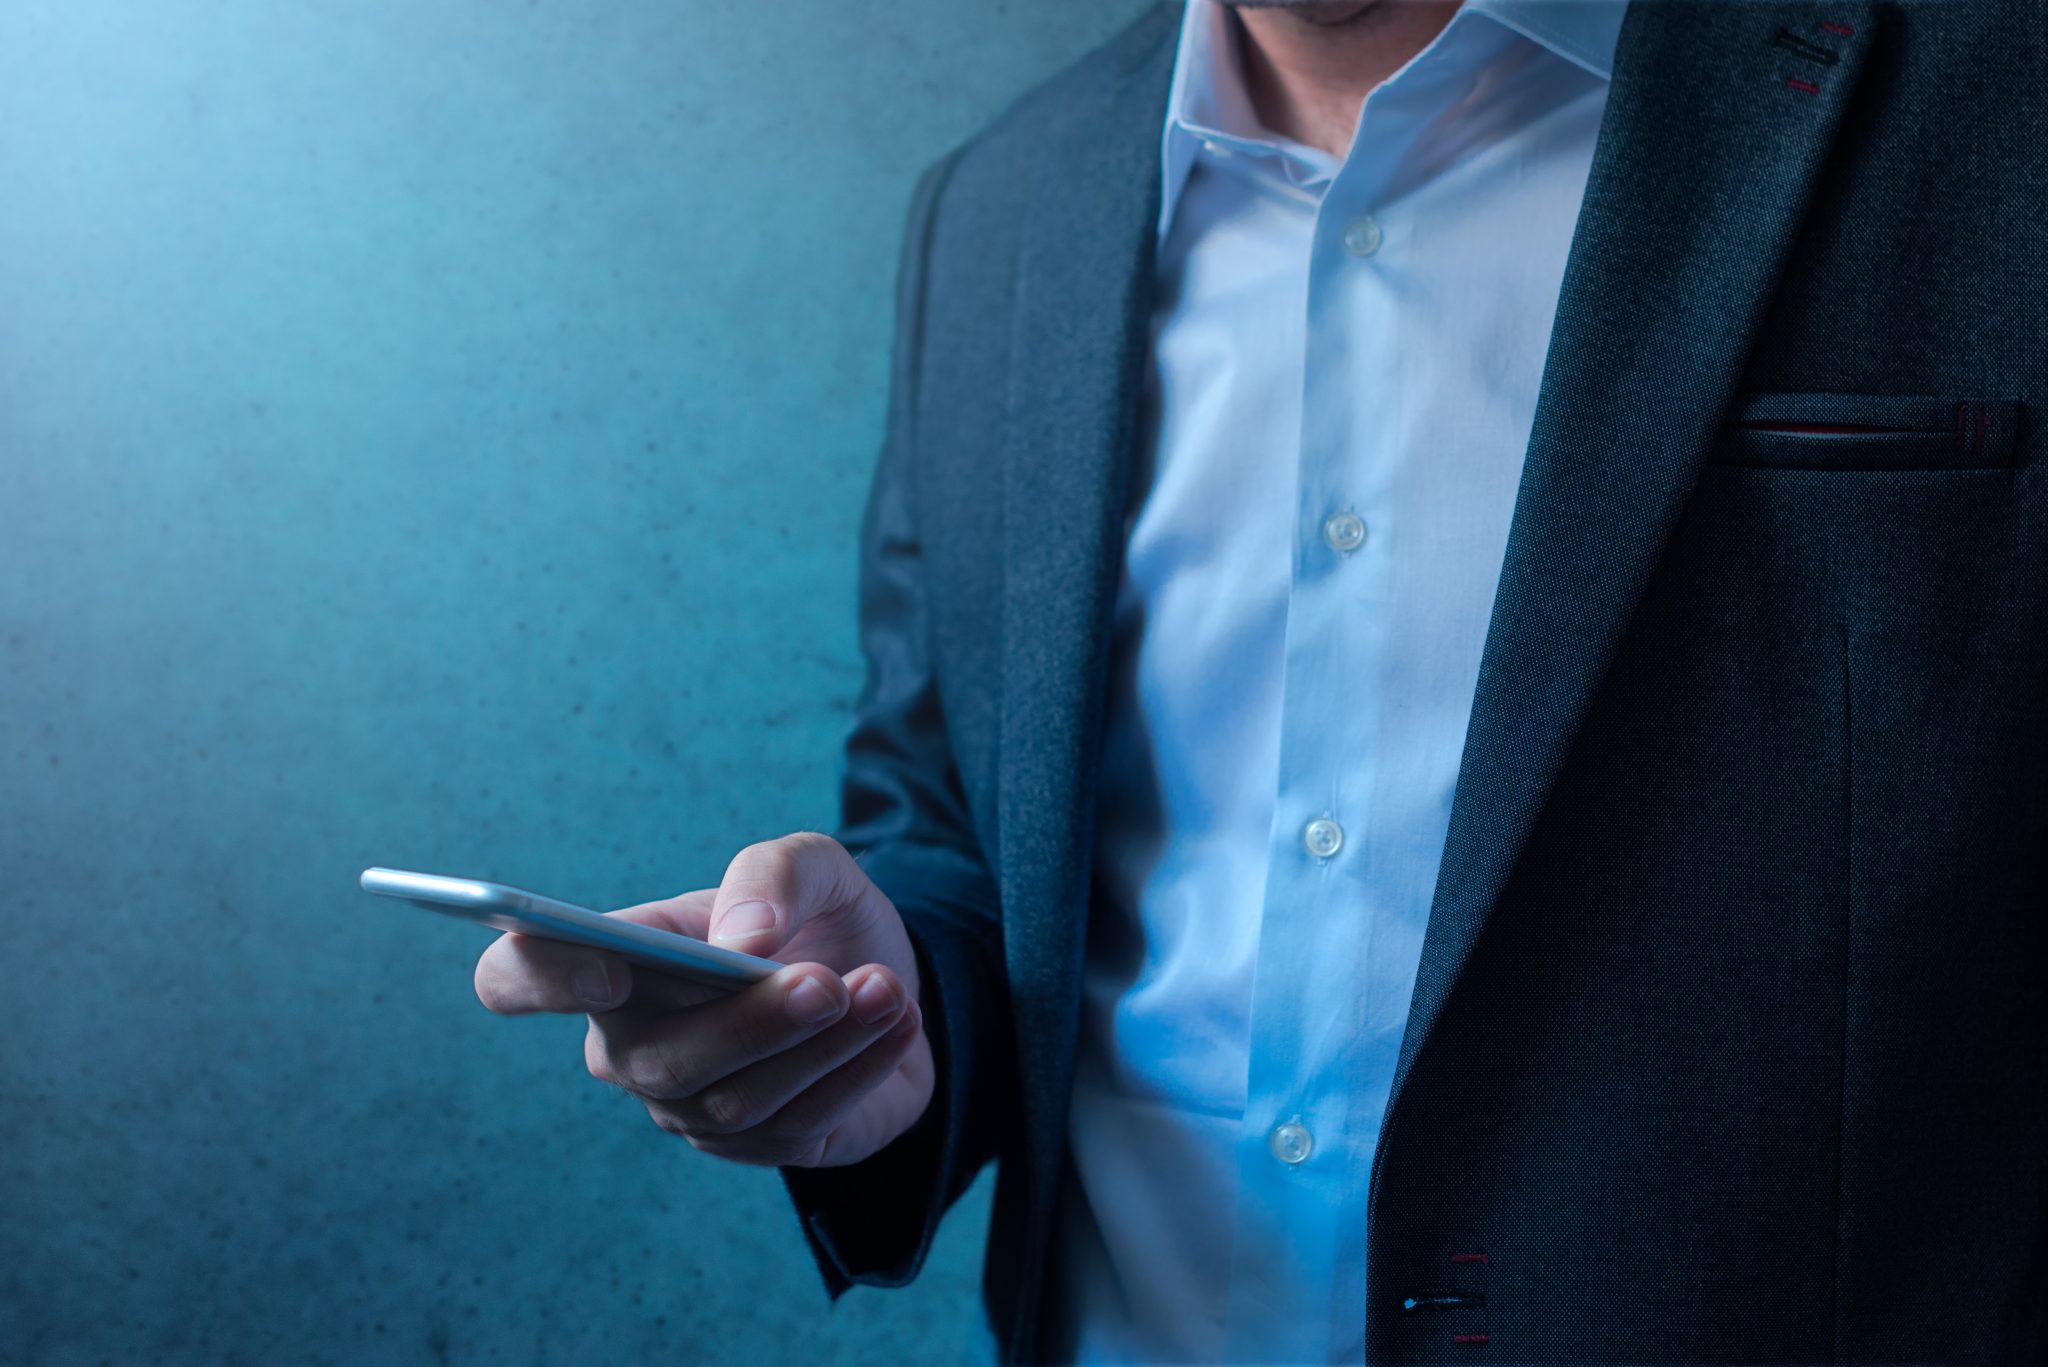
(1327, 12)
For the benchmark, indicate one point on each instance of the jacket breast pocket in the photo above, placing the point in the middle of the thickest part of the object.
(1868, 432)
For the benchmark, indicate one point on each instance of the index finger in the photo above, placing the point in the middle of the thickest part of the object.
(521, 974)
(689, 914)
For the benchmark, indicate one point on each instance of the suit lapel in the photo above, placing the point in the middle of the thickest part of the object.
(1080, 328)
(1713, 138)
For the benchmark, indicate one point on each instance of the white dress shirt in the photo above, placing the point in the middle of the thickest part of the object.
(1344, 372)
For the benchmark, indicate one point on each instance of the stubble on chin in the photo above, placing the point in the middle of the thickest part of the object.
(1328, 12)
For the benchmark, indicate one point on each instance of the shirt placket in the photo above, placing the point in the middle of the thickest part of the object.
(1316, 1088)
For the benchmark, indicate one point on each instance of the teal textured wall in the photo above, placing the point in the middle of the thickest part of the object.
(432, 433)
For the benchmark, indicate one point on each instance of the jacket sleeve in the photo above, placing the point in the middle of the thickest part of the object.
(905, 819)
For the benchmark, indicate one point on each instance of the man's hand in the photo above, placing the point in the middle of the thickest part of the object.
(817, 1066)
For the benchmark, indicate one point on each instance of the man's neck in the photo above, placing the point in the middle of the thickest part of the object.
(1310, 65)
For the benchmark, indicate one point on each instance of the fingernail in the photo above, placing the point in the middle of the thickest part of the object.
(809, 1002)
(875, 1001)
(594, 984)
(744, 920)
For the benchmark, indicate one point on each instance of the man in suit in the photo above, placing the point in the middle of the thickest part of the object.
(1451, 763)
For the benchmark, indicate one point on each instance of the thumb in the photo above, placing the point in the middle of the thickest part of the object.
(772, 888)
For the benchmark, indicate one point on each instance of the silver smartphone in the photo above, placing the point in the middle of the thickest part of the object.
(503, 908)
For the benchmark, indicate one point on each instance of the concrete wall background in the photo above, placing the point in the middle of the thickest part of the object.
(432, 433)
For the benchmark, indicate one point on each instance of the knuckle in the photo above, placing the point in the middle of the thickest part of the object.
(595, 1060)
(778, 867)
(649, 1072)
(813, 845)
(814, 1156)
(668, 1122)
(724, 1109)
(804, 1150)
(746, 1149)
(489, 983)
(765, 865)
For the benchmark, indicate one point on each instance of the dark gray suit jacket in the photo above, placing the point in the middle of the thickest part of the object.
(1728, 1039)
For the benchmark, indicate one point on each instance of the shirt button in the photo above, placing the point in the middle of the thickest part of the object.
(1323, 837)
(1291, 1143)
(1215, 148)
(1362, 235)
(1345, 532)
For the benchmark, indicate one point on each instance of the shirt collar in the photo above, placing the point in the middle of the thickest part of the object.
(1208, 102)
